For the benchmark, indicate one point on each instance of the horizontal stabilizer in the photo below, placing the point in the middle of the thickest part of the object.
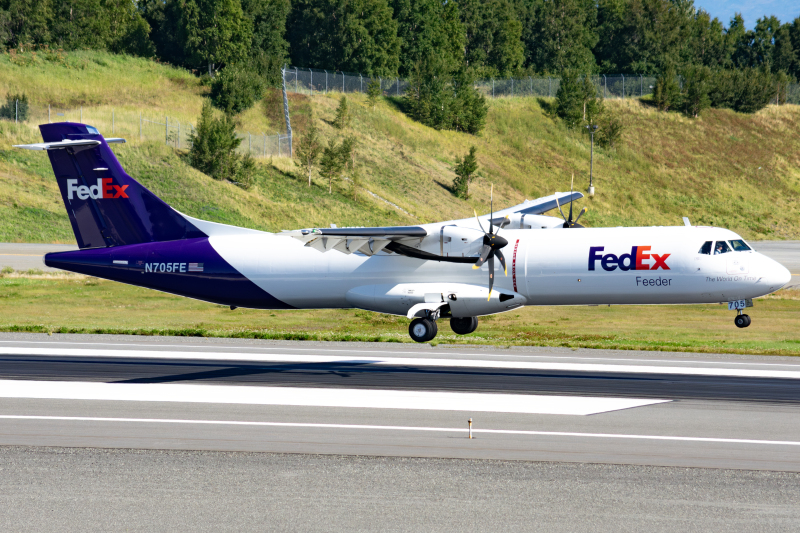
(61, 145)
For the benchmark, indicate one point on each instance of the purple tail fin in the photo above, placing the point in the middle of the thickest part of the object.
(106, 206)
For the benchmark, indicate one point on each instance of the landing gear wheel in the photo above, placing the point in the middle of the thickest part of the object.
(464, 325)
(423, 329)
(742, 321)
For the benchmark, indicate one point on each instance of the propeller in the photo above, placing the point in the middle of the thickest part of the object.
(492, 242)
(568, 222)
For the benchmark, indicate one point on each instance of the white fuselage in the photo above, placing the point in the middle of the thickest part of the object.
(545, 267)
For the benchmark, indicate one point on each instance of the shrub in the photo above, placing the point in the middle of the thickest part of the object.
(609, 133)
(465, 172)
(308, 149)
(332, 163)
(15, 108)
(213, 150)
(236, 89)
(569, 100)
(696, 88)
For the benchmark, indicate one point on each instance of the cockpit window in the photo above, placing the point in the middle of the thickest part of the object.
(739, 246)
(90, 129)
(706, 248)
(721, 247)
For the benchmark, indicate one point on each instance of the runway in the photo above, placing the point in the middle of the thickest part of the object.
(635, 408)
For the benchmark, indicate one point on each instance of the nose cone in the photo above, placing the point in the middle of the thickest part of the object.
(778, 276)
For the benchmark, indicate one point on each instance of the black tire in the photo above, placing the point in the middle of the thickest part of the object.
(422, 329)
(748, 320)
(464, 325)
(741, 321)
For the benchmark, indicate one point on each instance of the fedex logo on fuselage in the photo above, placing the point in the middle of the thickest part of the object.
(638, 259)
(103, 189)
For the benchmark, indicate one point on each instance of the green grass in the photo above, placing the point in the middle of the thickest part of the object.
(78, 304)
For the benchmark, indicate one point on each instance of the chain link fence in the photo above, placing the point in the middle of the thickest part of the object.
(310, 81)
(136, 126)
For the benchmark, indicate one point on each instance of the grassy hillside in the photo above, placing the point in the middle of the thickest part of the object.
(726, 169)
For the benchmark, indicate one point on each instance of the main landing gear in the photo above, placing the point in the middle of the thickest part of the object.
(741, 320)
(425, 329)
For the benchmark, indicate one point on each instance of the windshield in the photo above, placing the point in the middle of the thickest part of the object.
(721, 247)
(706, 248)
(740, 246)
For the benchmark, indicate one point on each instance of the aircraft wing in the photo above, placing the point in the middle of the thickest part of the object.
(541, 205)
(366, 240)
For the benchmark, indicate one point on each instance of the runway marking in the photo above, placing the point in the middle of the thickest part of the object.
(385, 352)
(402, 361)
(403, 428)
(319, 397)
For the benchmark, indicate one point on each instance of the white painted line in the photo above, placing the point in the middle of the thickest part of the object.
(405, 361)
(316, 397)
(407, 352)
(400, 428)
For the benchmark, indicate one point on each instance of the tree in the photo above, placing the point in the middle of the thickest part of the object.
(356, 36)
(563, 36)
(570, 99)
(493, 45)
(332, 164)
(213, 150)
(428, 29)
(609, 133)
(592, 102)
(696, 89)
(784, 56)
(667, 93)
(342, 119)
(309, 149)
(465, 172)
(347, 152)
(373, 92)
(214, 32)
(29, 21)
(236, 89)
(269, 49)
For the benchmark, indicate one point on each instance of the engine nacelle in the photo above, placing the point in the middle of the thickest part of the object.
(462, 299)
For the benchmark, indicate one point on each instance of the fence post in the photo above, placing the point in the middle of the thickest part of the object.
(361, 82)
(16, 111)
(295, 79)
(530, 78)
(623, 86)
(342, 82)
(492, 87)
(179, 135)
(605, 86)
(311, 74)
(286, 113)
(326, 82)
(166, 130)
(398, 87)
(641, 85)
(549, 86)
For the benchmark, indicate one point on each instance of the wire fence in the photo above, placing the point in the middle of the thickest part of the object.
(310, 81)
(137, 126)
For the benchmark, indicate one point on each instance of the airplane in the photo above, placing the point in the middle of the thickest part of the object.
(428, 272)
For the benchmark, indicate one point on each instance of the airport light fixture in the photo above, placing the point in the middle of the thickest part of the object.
(592, 129)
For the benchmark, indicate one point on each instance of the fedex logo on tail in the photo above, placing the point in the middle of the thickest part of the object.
(103, 189)
(638, 259)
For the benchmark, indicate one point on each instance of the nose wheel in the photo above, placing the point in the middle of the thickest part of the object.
(741, 320)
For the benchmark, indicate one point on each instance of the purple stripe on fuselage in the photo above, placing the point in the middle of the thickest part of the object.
(164, 266)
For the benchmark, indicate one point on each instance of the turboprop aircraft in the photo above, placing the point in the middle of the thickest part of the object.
(428, 272)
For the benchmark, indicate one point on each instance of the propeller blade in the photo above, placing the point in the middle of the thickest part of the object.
(502, 224)
(491, 275)
(559, 210)
(571, 190)
(502, 259)
(486, 253)
(479, 221)
(491, 207)
(584, 210)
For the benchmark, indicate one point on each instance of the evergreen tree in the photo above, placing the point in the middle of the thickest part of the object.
(696, 89)
(794, 38)
(429, 29)
(611, 25)
(708, 43)
(465, 172)
(269, 50)
(342, 119)
(214, 32)
(214, 143)
(563, 36)
(493, 33)
(667, 92)
(28, 22)
(356, 36)
(332, 164)
(164, 18)
(373, 92)
(236, 89)
(784, 55)
(309, 149)
(570, 99)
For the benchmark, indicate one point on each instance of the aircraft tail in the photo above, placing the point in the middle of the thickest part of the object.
(106, 206)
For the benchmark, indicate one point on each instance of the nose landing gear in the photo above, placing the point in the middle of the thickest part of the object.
(741, 320)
